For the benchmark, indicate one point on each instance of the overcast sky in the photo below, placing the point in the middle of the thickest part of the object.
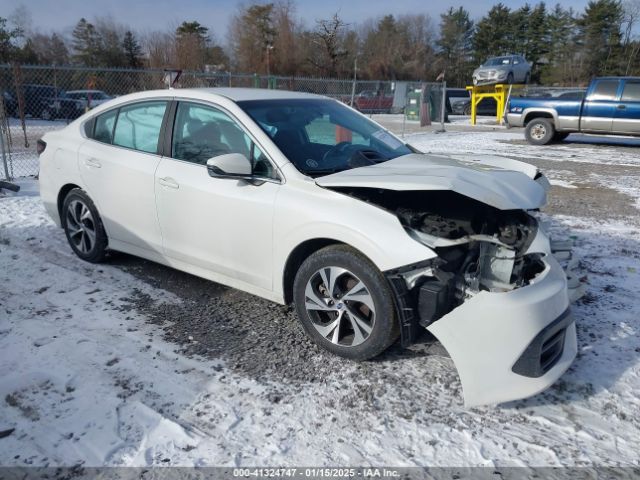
(147, 15)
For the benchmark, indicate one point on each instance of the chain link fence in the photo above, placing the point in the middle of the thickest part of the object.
(38, 99)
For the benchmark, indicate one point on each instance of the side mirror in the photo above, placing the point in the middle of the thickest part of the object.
(230, 165)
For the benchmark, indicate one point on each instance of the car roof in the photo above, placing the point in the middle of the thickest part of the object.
(233, 94)
(244, 94)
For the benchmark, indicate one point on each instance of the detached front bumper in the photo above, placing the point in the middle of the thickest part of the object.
(511, 345)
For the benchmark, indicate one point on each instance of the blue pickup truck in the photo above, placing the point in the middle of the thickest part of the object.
(610, 106)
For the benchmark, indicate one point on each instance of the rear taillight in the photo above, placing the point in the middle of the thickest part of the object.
(40, 146)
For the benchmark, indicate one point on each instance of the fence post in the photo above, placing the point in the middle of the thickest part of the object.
(355, 79)
(4, 156)
(443, 107)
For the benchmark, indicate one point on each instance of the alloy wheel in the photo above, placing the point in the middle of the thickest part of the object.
(81, 226)
(340, 306)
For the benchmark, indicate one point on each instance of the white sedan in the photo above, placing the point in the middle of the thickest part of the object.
(299, 199)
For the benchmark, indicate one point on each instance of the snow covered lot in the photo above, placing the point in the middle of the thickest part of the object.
(130, 363)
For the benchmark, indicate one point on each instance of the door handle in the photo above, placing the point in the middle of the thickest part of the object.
(621, 107)
(168, 182)
(92, 162)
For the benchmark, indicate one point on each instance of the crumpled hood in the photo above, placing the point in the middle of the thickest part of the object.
(485, 181)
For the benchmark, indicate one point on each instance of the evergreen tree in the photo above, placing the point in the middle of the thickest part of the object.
(562, 55)
(494, 34)
(537, 44)
(8, 37)
(600, 37)
(192, 40)
(251, 36)
(86, 43)
(455, 45)
(132, 50)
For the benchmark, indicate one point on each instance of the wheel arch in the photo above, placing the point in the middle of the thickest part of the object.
(298, 255)
(62, 194)
(532, 115)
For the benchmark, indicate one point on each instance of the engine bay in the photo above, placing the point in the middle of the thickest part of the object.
(479, 247)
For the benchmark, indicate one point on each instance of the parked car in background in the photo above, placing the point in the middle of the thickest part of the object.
(48, 102)
(301, 200)
(456, 99)
(487, 106)
(505, 69)
(370, 101)
(91, 98)
(10, 104)
(610, 106)
(459, 103)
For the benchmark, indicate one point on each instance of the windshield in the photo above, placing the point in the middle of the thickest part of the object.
(493, 62)
(323, 136)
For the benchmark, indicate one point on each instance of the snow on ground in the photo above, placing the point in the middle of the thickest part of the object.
(86, 378)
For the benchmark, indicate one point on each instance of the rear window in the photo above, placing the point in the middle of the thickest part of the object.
(631, 92)
(103, 131)
(605, 90)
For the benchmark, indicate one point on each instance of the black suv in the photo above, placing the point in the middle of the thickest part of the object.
(48, 102)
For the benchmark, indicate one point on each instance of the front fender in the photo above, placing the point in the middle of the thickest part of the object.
(307, 212)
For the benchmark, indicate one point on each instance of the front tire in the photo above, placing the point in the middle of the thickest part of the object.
(539, 131)
(83, 226)
(344, 303)
(510, 78)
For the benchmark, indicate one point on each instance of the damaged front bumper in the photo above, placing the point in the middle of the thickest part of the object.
(511, 345)
(506, 345)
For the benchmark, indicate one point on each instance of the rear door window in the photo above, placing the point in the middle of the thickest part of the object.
(631, 92)
(138, 126)
(605, 90)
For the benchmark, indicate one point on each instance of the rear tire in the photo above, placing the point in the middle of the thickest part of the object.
(83, 227)
(527, 78)
(354, 316)
(539, 131)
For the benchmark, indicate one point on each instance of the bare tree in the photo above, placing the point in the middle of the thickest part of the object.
(328, 38)
(160, 49)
